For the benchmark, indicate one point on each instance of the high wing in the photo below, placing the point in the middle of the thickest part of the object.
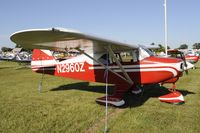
(59, 39)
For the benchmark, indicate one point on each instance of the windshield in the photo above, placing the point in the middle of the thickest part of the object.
(144, 53)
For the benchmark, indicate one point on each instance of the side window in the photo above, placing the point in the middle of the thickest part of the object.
(126, 57)
(135, 55)
(118, 56)
(59, 55)
(104, 59)
(64, 55)
(123, 57)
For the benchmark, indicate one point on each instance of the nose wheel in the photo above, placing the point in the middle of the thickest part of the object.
(174, 97)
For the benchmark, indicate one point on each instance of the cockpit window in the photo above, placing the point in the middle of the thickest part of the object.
(135, 55)
(60, 56)
(144, 53)
(127, 57)
(104, 59)
(124, 57)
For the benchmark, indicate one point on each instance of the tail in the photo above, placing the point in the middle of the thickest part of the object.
(43, 61)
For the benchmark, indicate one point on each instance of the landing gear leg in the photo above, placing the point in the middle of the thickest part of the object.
(173, 88)
(135, 89)
(116, 99)
(113, 100)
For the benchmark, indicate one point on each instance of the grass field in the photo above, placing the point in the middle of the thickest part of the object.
(68, 106)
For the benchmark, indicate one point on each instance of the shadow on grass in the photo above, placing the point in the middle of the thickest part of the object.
(131, 99)
(84, 86)
(5, 67)
(23, 67)
(150, 91)
(197, 67)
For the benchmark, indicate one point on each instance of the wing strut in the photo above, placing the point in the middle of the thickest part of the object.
(120, 66)
(81, 51)
(127, 78)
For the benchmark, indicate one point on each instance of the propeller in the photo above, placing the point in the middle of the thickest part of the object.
(185, 66)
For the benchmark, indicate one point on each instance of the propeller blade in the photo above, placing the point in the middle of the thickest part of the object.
(185, 67)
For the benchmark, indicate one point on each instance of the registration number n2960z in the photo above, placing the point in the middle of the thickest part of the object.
(70, 67)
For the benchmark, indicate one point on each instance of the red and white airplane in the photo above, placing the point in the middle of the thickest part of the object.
(189, 59)
(98, 56)
(192, 57)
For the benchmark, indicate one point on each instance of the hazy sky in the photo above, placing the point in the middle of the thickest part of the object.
(133, 21)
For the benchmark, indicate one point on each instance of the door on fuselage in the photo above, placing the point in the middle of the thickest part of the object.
(127, 59)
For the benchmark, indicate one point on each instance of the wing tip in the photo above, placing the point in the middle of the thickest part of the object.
(56, 29)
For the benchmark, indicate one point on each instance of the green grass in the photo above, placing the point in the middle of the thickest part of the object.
(67, 105)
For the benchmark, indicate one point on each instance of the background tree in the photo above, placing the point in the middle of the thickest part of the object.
(17, 46)
(183, 46)
(152, 44)
(6, 49)
(161, 48)
(23, 49)
(196, 46)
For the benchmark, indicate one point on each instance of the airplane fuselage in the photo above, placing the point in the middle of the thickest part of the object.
(150, 70)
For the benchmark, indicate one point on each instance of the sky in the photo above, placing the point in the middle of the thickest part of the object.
(130, 21)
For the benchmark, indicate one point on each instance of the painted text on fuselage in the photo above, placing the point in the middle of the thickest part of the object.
(70, 67)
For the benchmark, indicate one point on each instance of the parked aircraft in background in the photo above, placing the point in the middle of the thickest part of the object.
(192, 57)
(7, 56)
(16, 55)
(189, 59)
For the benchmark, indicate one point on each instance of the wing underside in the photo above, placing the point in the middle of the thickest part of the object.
(64, 39)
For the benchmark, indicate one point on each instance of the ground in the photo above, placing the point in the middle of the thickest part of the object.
(66, 105)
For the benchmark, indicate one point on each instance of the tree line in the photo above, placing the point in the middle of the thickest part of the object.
(7, 49)
(160, 49)
(182, 46)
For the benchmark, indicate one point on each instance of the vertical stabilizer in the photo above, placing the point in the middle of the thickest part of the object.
(42, 60)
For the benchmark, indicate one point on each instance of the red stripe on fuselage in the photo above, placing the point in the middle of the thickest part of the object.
(147, 71)
(97, 75)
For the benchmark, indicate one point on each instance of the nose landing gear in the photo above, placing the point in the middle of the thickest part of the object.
(174, 97)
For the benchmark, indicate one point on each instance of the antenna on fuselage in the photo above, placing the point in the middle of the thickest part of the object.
(166, 33)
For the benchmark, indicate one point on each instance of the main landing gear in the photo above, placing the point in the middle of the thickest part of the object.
(174, 97)
(112, 100)
(117, 98)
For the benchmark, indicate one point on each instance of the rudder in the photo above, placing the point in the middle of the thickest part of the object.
(42, 60)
